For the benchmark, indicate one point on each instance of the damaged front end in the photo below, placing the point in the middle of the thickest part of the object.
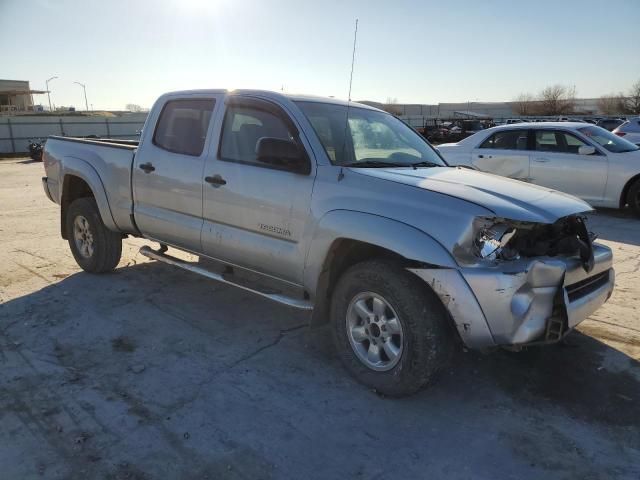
(533, 283)
(505, 240)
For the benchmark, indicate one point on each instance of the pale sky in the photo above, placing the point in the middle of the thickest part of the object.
(415, 51)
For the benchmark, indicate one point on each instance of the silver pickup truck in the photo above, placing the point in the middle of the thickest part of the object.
(342, 210)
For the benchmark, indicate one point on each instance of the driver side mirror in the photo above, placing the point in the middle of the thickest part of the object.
(283, 154)
(586, 150)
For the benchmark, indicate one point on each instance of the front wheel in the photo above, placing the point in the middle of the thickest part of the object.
(633, 197)
(390, 329)
(95, 248)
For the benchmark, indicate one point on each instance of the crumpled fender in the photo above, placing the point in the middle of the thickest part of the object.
(405, 240)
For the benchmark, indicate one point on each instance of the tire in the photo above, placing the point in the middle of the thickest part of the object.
(633, 198)
(424, 345)
(105, 246)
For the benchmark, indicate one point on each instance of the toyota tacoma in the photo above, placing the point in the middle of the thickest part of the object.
(342, 210)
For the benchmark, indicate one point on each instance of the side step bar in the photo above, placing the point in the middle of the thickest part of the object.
(283, 299)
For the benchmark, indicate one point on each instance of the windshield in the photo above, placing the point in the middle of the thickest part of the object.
(608, 140)
(369, 138)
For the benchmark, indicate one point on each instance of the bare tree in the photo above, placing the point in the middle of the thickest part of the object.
(633, 99)
(570, 99)
(132, 107)
(524, 104)
(612, 104)
(391, 106)
(557, 99)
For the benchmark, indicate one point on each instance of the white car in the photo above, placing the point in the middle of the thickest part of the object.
(577, 158)
(629, 130)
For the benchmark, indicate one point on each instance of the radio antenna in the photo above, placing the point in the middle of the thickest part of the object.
(346, 118)
(353, 57)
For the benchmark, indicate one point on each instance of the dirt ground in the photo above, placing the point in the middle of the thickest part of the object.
(155, 373)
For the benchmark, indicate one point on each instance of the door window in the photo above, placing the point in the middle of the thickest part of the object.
(556, 141)
(243, 127)
(183, 124)
(507, 140)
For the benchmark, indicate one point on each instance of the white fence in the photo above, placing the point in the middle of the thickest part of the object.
(16, 131)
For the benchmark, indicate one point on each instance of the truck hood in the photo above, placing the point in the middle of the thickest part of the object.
(505, 197)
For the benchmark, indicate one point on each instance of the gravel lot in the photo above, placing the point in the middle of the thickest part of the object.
(151, 372)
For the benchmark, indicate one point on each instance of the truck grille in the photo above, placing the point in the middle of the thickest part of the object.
(587, 286)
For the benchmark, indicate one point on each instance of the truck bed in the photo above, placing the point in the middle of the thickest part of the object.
(109, 176)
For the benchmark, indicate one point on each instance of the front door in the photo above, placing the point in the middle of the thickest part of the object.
(504, 153)
(256, 214)
(167, 172)
(556, 163)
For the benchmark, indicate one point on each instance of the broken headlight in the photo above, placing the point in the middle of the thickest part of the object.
(490, 242)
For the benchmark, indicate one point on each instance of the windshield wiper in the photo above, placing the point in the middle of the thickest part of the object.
(425, 164)
(374, 163)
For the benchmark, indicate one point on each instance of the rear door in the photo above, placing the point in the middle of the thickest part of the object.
(504, 153)
(167, 171)
(556, 163)
(255, 214)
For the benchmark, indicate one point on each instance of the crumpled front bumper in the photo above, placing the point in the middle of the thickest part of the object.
(524, 301)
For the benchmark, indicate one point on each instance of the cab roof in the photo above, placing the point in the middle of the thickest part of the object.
(273, 95)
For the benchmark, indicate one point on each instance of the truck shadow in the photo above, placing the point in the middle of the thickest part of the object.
(153, 338)
(571, 375)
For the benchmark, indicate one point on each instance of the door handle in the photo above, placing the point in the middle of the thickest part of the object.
(147, 167)
(216, 180)
(541, 160)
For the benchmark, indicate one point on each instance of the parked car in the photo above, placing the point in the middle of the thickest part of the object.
(629, 130)
(453, 131)
(609, 123)
(577, 158)
(342, 210)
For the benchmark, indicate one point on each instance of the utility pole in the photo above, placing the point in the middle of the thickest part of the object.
(49, 96)
(84, 87)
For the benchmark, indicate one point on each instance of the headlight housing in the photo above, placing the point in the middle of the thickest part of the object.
(503, 239)
(490, 242)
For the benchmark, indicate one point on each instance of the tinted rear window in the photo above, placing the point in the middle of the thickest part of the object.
(507, 140)
(183, 124)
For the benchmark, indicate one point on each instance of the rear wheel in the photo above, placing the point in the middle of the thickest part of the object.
(95, 248)
(390, 330)
(633, 197)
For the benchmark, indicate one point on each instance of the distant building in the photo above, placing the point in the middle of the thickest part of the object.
(417, 114)
(16, 96)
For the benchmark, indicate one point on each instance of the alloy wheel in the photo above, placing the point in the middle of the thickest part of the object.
(82, 236)
(374, 331)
